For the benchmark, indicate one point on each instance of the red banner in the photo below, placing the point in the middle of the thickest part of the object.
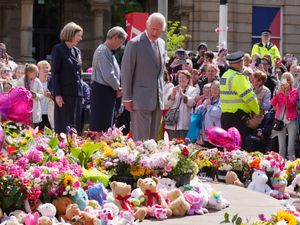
(135, 23)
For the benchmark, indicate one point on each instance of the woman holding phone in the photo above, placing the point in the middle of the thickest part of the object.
(285, 105)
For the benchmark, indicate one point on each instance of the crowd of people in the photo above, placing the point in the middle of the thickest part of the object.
(257, 92)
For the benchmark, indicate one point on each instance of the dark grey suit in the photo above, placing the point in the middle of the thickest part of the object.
(142, 82)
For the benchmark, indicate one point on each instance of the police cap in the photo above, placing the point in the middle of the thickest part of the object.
(235, 57)
(266, 32)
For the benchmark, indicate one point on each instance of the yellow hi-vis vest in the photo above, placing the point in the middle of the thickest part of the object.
(236, 93)
(263, 50)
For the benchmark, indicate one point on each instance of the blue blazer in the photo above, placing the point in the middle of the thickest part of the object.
(66, 70)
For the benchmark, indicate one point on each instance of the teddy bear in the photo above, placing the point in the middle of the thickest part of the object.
(80, 198)
(196, 200)
(74, 215)
(152, 197)
(48, 210)
(61, 205)
(19, 214)
(121, 193)
(97, 192)
(177, 203)
(45, 220)
(232, 178)
(12, 221)
(259, 182)
(279, 184)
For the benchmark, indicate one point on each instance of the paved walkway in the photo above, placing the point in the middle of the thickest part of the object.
(248, 204)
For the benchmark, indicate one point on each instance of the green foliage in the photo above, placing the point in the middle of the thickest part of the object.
(84, 152)
(236, 220)
(176, 37)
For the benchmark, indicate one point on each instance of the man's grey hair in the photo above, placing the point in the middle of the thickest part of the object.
(157, 17)
(117, 31)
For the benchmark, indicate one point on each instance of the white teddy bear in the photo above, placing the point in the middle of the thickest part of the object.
(259, 182)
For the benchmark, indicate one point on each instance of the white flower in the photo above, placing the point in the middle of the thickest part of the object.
(73, 192)
(282, 222)
(65, 193)
(151, 145)
(225, 167)
(265, 164)
(96, 155)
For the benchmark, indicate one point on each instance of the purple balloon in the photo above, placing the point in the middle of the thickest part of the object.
(236, 138)
(16, 105)
(218, 136)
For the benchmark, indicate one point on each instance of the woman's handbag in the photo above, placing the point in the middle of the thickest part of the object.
(195, 125)
(171, 116)
(277, 125)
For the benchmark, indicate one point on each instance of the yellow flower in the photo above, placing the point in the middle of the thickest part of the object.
(108, 152)
(68, 180)
(137, 172)
(288, 217)
(116, 145)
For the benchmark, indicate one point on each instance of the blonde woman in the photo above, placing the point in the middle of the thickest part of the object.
(285, 105)
(47, 103)
(181, 96)
(66, 74)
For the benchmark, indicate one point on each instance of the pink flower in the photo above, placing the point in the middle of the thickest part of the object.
(168, 167)
(76, 184)
(37, 172)
(22, 162)
(35, 155)
(54, 175)
(108, 164)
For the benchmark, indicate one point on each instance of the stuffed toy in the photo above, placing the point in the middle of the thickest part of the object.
(74, 215)
(294, 188)
(232, 178)
(121, 192)
(126, 217)
(177, 203)
(152, 197)
(19, 214)
(259, 182)
(212, 199)
(47, 210)
(106, 216)
(279, 184)
(61, 205)
(196, 201)
(12, 221)
(45, 220)
(97, 192)
(80, 198)
(165, 185)
(158, 212)
(113, 207)
(137, 197)
(31, 219)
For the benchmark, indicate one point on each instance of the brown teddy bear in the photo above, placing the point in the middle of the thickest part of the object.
(152, 197)
(121, 192)
(232, 178)
(61, 205)
(178, 204)
(45, 220)
(74, 215)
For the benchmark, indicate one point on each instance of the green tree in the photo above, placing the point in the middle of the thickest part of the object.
(176, 37)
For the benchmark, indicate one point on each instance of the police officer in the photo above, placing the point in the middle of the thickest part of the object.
(237, 96)
(265, 46)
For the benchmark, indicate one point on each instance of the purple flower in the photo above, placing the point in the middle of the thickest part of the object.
(35, 156)
(262, 217)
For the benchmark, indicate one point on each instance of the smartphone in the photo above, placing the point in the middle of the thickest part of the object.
(181, 54)
(181, 61)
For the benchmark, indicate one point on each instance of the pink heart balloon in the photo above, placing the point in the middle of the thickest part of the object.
(218, 136)
(16, 105)
(236, 138)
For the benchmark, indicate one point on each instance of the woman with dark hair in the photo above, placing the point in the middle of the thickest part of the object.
(66, 74)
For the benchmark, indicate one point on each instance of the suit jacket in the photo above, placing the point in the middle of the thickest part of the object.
(141, 76)
(66, 71)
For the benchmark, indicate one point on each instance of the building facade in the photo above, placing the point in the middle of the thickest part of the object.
(30, 28)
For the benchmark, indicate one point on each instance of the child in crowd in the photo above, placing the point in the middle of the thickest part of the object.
(33, 84)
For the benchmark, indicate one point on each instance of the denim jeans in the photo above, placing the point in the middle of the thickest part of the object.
(291, 129)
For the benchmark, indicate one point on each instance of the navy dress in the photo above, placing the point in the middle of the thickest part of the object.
(66, 75)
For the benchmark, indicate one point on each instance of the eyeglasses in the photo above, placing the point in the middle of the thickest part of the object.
(7, 71)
